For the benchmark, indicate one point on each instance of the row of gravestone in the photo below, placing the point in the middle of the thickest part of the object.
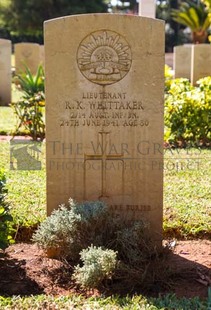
(192, 61)
(26, 54)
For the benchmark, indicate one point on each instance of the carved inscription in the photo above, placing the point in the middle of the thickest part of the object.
(27, 53)
(104, 109)
(134, 208)
(103, 158)
(104, 57)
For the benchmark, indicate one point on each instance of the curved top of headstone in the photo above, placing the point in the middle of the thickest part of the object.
(103, 15)
(103, 49)
(5, 42)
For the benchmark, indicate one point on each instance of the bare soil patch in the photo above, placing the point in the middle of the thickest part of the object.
(25, 270)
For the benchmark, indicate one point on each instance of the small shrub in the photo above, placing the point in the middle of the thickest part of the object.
(74, 227)
(30, 84)
(168, 77)
(132, 243)
(30, 108)
(58, 231)
(5, 217)
(188, 112)
(90, 227)
(98, 265)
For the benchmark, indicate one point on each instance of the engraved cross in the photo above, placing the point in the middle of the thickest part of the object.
(103, 157)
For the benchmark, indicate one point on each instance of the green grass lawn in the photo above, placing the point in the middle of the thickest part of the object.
(187, 213)
(187, 199)
(169, 302)
(8, 120)
(29, 184)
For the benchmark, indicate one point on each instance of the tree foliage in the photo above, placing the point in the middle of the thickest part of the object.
(127, 6)
(207, 3)
(28, 16)
(195, 16)
(192, 15)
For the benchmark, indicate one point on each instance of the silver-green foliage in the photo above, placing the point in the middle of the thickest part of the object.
(73, 227)
(58, 229)
(98, 265)
(132, 242)
(90, 227)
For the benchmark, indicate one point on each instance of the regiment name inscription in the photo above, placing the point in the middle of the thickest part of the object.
(103, 109)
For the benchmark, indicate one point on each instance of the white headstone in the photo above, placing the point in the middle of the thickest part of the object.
(182, 61)
(5, 71)
(104, 114)
(27, 54)
(147, 8)
(201, 62)
(42, 55)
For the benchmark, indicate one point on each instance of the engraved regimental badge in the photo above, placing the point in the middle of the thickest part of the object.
(104, 57)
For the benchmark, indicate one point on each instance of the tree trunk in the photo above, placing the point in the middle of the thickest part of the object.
(199, 36)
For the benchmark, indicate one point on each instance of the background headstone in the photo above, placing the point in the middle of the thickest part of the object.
(104, 113)
(27, 54)
(42, 55)
(5, 71)
(147, 8)
(201, 62)
(182, 61)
